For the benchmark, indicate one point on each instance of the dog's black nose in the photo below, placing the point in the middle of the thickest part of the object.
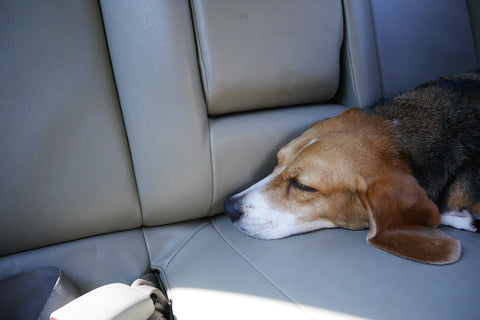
(232, 208)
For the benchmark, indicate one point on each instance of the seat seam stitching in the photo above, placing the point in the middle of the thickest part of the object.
(203, 71)
(377, 49)
(350, 64)
(258, 271)
(147, 248)
(212, 169)
(352, 76)
(185, 243)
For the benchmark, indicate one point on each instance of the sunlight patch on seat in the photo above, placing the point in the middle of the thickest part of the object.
(190, 303)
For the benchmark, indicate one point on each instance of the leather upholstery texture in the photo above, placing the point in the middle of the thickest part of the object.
(360, 82)
(213, 271)
(391, 46)
(419, 41)
(267, 53)
(474, 11)
(89, 263)
(244, 145)
(124, 125)
(153, 55)
(65, 166)
(35, 294)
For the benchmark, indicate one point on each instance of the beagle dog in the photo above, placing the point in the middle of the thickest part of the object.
(393, 168)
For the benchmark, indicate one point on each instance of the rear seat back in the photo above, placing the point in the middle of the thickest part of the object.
(255, 56)
(474, 12)
(65, 167)
(180, 105)
(152, 46)
(432, 39)
(397, 45)
(107, 125)
(207, 93)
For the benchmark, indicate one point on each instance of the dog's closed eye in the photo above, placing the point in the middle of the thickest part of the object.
(299, 186)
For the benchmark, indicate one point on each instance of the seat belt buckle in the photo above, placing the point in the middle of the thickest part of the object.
(142, 301)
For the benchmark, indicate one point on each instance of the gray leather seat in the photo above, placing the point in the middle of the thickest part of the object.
(125, 126)
(400, 45)
(65, 164)
(35, 294)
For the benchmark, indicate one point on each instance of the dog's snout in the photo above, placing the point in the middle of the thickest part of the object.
(232, 208)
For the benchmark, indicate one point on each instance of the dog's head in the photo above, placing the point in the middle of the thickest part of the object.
(342, 172)
(316, 182)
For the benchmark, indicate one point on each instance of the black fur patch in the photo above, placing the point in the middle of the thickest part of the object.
(437, 126)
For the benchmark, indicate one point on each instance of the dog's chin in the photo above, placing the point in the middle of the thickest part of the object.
(262, 232)
(273, 230)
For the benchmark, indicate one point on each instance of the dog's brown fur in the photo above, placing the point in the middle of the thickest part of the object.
(389, 168)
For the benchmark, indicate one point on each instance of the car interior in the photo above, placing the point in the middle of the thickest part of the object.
(125, 125)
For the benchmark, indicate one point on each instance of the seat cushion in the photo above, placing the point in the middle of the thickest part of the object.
(213, 271)
(90, 262)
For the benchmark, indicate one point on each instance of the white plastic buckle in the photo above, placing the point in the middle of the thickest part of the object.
(113, 301)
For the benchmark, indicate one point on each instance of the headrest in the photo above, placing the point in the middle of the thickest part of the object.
(257, 54)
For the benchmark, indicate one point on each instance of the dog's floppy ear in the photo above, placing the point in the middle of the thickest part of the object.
(403, 220)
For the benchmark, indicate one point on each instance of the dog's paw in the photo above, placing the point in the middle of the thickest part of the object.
(459, 220)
